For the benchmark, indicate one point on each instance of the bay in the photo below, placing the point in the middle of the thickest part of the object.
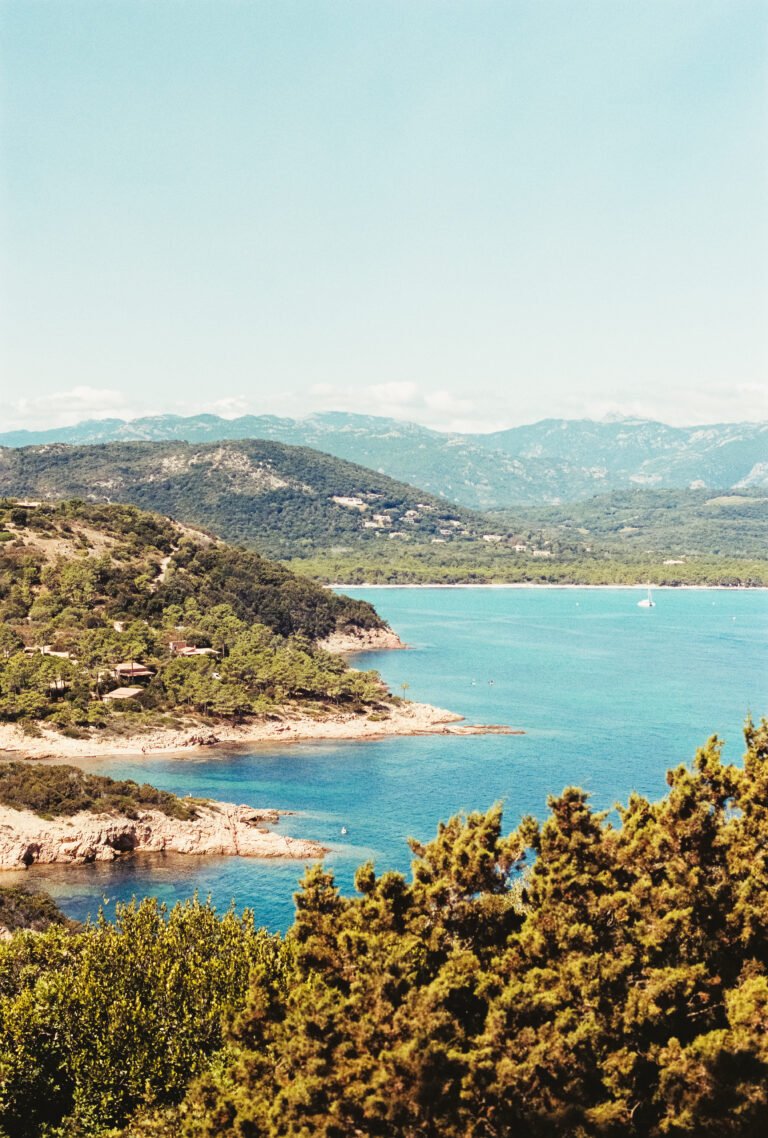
(610, 696)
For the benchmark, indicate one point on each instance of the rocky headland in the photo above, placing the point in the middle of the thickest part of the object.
(218, 828)
(361, 640)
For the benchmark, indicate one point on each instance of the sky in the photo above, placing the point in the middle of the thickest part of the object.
(468, 214)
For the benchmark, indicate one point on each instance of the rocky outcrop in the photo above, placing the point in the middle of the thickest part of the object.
(219, 828)
(361, 640)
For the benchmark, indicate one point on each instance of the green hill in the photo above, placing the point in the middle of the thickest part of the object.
(336, 521)
(669, 522)
(98, 599)
(284, 500)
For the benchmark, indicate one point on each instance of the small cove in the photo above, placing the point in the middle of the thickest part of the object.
(609, 695)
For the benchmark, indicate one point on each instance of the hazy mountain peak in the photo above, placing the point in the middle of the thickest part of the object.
(549, 461)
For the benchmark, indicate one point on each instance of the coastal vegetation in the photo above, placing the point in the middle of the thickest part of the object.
(112, 615)
(60, 814)
(479, 563)
(55, 791)
(22, 908)
(591, 975)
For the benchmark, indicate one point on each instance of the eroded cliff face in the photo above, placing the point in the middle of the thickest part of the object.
(361, 640)
(220, 828)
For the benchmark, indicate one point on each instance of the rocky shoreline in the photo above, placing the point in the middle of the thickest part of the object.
(292, 727)
(362, 640)
(219, 828)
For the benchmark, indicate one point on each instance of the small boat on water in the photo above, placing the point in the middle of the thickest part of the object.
(344, 830)
(646, 602)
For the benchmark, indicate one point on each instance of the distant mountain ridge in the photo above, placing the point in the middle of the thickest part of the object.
(552, 461)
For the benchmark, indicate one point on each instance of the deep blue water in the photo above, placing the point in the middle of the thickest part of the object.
(610, 696)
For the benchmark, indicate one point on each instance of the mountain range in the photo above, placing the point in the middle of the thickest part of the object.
(549, 462)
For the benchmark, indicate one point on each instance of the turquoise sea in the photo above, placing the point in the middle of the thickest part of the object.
(610, 696)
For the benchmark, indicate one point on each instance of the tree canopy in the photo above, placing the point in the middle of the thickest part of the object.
(86, 588)
(580, 977)
(594, 975)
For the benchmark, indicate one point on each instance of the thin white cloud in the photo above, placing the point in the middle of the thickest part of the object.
(65, 408)
(747, 402)
(81, 403)
(404, 394)
(436, 408)
(229, 407)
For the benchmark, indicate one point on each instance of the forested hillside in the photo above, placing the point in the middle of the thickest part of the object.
(109, 613)
(283, 500)
(584, 977)
(628, 522)
(338, 522)
(666, 537)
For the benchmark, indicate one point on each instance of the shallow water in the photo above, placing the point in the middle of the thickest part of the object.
(610, 696)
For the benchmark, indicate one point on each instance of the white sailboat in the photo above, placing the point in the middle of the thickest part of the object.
(646, 602)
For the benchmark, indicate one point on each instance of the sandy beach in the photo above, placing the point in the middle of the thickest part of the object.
(544, 585)
(401, 719)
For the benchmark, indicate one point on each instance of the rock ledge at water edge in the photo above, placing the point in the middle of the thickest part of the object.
(219, 828)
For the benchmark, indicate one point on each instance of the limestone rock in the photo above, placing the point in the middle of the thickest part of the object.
(219, 828)
(361, 640)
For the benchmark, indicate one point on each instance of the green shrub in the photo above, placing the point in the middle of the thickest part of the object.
(120, 1016)
(64, 790)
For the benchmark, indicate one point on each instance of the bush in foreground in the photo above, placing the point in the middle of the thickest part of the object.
(118, 1016)
(619, 988)
(572, 979)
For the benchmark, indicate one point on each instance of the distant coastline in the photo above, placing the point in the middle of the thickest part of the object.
(548, 585)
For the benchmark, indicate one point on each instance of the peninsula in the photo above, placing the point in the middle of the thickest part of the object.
(127, 633)
(398, 718)
(61, 814)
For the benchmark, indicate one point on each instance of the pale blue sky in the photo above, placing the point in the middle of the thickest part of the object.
(471, 214)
